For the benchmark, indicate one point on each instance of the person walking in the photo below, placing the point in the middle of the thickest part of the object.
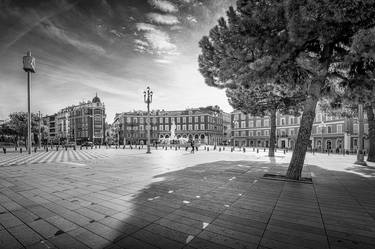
(192, 146)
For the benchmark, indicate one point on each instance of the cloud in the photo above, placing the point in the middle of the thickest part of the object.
(191, 19)
(164, 5)
(163, 61)
(162, 19)
(61, 35)
(159, 41)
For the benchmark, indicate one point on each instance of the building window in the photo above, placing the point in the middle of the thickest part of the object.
(282, 121)
(184, 127)
(291, 120)
(166, 128)
(161, 127)
(243, 116)
(251, 133)
(291, 132)
(355, 128)
(183, 119)
(202, 119)
(266, 132)
(243, 124)
(319, 117)
(266, 123)
(178, 120)
(329, 129)
(141, 120)
(141, 127)
(160, 120)
(366, 128)
(196, 119)
(202, 126)
(251, 124)
(196, 127)
(259, 133)
(259, 123)
(190, 127)
(128, 119)
(190, 119)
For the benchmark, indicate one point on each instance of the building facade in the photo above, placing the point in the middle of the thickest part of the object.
(336, 134)
(78, 124)
(204, 124)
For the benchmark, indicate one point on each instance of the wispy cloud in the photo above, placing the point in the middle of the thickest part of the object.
(164, 5)
(162, 19)
(63, 36)
(158, 40)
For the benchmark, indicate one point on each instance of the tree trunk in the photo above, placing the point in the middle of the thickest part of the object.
(371, 133)
(304, 133)
(271, 151)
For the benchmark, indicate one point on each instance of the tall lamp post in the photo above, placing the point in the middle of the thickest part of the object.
(322, 125)
(29, 67)
(147, 95)
(360, 155)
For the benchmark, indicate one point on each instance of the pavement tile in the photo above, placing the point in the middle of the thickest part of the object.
(8, 220)
(168, 232)
(90, 213)
(43, 244)
(7, 241)
(122, 227)
(104, 231)
(44, 228)
(156, 240)
(182, 226)
(234, 234)
(25, 215)
(25, 235)
(89, 238)
(133, 243)
(199, 243)
(66, 241)
(227, 241)
(61, 223)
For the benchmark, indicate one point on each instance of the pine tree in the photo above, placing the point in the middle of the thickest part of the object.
(265, 38)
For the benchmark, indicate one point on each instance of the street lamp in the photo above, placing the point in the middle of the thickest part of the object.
(147, 96)
(360, 155)
(322, 125)
(235, 123)
(29, 67)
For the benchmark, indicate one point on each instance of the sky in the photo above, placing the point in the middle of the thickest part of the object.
(115, 48)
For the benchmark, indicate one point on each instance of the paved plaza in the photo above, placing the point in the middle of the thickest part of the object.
(174, 199)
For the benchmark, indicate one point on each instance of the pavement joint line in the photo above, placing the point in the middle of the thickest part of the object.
(320, 212)
(270, 217)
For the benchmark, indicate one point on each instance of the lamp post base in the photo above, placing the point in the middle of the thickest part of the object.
(148, 152)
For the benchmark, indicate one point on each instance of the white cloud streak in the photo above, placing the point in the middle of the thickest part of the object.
(162, 19)
(61, 35)
(164, 5)
(158, 40)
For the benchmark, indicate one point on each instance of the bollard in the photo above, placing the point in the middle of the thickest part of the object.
(208, 149)
(284, 151)
(57, 148)
(264, 149)
(35, 149)
(47, 149)
(257, 150)
(21, 150)
(4, 150)
(176, 148)
(219, 149)
(244, 149)
(66, 147)
(253, 148)
(223, 148)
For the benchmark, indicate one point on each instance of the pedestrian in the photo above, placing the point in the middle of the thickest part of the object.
(4, 150)
(192, 147)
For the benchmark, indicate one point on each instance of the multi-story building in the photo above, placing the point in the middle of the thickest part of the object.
(328, 133)
(79, 123)
(50, 123)
(204, 124)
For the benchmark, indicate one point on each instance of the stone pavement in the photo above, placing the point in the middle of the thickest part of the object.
(174, 199)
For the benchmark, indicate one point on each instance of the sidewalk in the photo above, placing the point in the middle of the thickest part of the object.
(173, 199)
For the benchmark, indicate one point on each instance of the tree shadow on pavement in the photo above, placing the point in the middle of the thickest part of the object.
(226, 204)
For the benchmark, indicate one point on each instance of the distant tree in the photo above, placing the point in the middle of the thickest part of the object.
(18, 123)
(265, 38)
